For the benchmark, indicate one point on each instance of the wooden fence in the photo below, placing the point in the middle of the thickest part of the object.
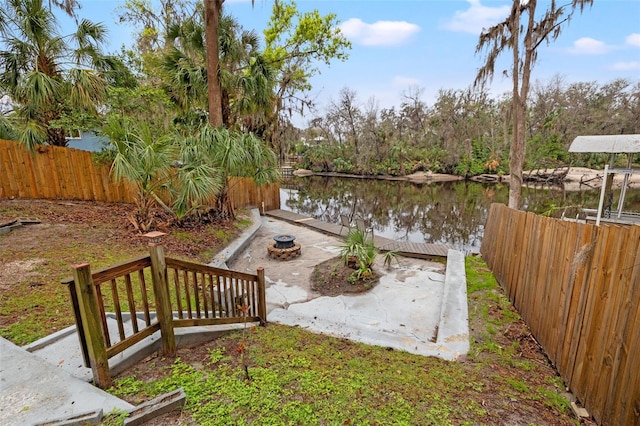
(577, 286)
(156, 293)
(65, 173)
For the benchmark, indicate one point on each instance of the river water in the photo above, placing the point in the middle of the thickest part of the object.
(450, 213)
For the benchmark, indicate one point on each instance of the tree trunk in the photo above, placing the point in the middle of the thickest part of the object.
(213, 8)
(516, 158)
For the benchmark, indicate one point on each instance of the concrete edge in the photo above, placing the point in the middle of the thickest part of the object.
(156, 407)
(230, 252)
(89, 418)
(454, 314)
(50, 339)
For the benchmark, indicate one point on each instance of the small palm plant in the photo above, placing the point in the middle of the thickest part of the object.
(359, 253)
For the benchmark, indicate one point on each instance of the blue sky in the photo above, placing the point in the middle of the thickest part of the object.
(430, 44)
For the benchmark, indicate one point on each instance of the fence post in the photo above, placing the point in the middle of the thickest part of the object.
(90, 314)
(163, 300)
(262, 296)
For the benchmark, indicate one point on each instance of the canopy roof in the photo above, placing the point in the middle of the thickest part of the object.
(615, 144)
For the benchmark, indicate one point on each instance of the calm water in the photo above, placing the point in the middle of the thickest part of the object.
(446, 212)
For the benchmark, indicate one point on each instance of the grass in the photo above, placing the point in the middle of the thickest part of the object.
(298, 377)
(36, 305)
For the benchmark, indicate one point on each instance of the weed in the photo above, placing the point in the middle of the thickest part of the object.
(216, 355)
(114, 418)
(554, 399)
(518, 385)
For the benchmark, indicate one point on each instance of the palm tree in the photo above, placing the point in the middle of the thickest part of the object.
(143, 159)
(46, 75)
(245, 79)
(236, 154)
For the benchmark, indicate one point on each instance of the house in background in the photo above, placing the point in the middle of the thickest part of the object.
(86, 140)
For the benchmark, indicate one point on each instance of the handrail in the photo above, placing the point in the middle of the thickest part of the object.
(197, 294)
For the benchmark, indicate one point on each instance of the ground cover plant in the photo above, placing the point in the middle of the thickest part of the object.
(297, 377)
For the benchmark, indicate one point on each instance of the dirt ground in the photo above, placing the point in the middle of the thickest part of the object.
(108, 220)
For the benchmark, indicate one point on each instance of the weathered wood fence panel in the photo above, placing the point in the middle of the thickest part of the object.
(54, 172)
(578, 288)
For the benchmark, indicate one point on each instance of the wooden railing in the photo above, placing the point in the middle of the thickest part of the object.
(181, 294)
(577, 286)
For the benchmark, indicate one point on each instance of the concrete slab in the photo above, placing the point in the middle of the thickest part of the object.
(31, 391)
(404, 311)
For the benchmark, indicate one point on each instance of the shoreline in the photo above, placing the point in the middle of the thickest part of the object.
(577, 179)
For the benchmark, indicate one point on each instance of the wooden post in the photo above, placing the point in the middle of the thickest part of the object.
(91, 324)
(79, 327)
(163, 300)
(262, 296)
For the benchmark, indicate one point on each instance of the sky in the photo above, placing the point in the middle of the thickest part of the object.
(402, 45)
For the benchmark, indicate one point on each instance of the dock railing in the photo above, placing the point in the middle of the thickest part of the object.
(156, 293)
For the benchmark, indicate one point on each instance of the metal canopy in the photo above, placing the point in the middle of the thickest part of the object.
(614, 144)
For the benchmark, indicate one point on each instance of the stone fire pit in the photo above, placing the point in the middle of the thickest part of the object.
(284, 247)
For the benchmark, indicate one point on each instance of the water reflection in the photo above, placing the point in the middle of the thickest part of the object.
(447, 212)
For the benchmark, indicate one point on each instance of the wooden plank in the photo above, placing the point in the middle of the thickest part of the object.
(575, 323)
(120, 269)
(593, 310)
(52, 175)
(600, 323)
(568, 299)
(556, 286)
(38, 164)
(619, 348)
(91, 322)
(626, 396)
(131, 302)
(8, 185)
(132, 340)
(213, 321)
(116, 305)
(15, 159)
(193, 266)
(163, 300)
(145, 297)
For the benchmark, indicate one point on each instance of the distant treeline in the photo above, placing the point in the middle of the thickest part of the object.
(466, 132)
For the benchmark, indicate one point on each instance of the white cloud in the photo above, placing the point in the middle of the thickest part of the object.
(626, 66)
(381, 33)
(633, 39)
(476, 18)
(402, 81)
(589, 46)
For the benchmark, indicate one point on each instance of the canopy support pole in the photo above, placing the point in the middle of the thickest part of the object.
(602, 191)
(625, 183)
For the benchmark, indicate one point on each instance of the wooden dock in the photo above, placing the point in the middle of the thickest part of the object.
(404, 248)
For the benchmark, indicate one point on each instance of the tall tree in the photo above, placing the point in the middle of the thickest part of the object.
(46, 75)
(295, 44)
(212, 11)
(522, 32)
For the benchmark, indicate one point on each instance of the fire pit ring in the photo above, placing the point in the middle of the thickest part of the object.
(284, 241)
(284, 247)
